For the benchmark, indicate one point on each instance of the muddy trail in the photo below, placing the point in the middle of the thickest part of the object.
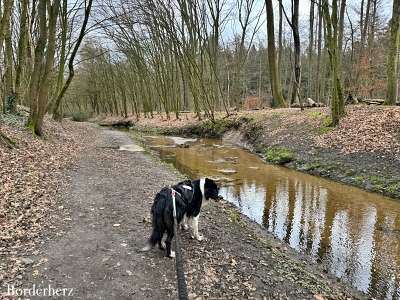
(105, 207)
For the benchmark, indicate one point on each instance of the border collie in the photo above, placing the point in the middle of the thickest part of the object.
(189, 198)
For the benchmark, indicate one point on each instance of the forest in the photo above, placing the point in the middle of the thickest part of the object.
(141, 57)
(210, 56)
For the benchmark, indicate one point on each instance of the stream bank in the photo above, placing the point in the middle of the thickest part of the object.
(363, 151)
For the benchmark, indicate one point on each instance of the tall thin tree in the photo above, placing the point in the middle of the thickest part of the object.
(392, 59)
(276, 88)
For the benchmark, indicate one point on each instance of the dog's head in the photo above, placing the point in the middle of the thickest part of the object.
(211, 189)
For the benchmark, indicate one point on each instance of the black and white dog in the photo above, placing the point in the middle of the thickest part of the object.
(189, 197)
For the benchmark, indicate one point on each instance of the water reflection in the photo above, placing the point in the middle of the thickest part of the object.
(355, 234)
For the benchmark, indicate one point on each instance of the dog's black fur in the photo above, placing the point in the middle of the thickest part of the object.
(188, 202)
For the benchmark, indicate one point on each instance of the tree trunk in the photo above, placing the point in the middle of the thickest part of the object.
(40, 86)
(5, 36)
(61, 69)
(392, 60)
(276, 88)
(297, 63)
(331, 21)
(310, 49)
(22, 50)
(319, 50)
(366, 24)
(9, 93)
(280, 46)
(5, 19)
(339, 49)
(341, 27)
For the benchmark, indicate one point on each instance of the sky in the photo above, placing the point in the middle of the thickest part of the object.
(385, 9)
(352, 5)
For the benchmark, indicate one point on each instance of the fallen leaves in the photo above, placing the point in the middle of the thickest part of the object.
(31, 176)
(366, 129)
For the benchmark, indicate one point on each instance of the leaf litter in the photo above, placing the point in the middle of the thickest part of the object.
(31, 178)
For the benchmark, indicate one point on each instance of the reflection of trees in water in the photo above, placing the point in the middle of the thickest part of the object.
(319, 208)
(386, 265)
(280, 210)
(340, 245)
(291, 219)
(252, 199)
(295, 212)
(269, 203)
(363, 251)
(310, 219)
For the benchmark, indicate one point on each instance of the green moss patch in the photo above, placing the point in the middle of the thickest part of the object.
(279, 155)
(326, 125)
(394, 188)
(315, 114)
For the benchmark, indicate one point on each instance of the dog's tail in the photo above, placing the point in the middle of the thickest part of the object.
(152, 241)
(156, 214)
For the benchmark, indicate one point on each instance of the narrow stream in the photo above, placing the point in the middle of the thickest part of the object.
(353, 233)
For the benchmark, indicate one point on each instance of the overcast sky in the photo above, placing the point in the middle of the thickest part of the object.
(385, 11)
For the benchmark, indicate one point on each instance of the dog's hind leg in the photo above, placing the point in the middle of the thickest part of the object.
(170, 235)
(161, 245)
(184, 225)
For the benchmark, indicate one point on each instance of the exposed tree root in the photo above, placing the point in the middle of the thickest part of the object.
(6, 141)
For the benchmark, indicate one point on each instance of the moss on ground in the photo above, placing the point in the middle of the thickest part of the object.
(315, 114)
(359, 180)
(311, 166)
(394, 188)
(326, 125)
(279, 155)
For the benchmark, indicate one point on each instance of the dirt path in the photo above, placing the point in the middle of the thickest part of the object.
(106, 208)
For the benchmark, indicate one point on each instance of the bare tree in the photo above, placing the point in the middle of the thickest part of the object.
(5, 36)
(276, 88)
(61, 91)
(44, 60)
(392, 59)
(332, 24)
(22, 49)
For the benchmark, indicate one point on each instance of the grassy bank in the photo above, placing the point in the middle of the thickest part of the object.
(364, 150)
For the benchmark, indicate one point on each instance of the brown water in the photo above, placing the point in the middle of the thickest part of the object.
(354, 234)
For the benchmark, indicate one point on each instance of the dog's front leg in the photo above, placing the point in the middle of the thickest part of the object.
(195, 226)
